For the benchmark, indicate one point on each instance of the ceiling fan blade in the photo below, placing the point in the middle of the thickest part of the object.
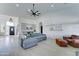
(36, 11)
(32, 11)
(27, 13)
(37, 15)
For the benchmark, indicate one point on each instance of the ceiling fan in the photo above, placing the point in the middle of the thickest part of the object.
(33, 12)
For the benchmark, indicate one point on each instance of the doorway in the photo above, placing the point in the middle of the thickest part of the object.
(41, 27)
(11, 30)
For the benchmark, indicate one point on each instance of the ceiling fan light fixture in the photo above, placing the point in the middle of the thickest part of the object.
(33, 11)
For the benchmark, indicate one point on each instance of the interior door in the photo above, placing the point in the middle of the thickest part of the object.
(12, 30)
(41, 29)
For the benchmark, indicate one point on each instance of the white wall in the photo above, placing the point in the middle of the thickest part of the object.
(56, 18)
(48, 19)
(3, 20)
(26, 20)
(69, 24)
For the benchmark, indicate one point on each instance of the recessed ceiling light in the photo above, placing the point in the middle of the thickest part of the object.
(52, 5)
(17, 5)
(65, 3)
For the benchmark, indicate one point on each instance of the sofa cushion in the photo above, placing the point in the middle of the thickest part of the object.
(35, 34)
(30, 42)
(76, 40)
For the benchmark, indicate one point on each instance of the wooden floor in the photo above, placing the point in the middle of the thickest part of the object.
(10, 46)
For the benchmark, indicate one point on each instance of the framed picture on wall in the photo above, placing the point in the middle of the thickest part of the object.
(26, 27)
(56, 27)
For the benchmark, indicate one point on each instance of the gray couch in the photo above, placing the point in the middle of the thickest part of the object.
(32, 40)
(39, 36)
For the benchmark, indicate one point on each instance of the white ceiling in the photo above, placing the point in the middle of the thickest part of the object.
(63, 8)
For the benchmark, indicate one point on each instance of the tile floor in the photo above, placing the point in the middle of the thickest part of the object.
(10, 46)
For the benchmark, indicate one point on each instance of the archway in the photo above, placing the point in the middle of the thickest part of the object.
(10, 28)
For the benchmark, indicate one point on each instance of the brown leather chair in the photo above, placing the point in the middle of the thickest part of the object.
(61, 43)
(75, 36)
(73, 40)
(74, 43)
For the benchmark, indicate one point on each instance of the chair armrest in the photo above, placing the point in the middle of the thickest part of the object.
(76, 41)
